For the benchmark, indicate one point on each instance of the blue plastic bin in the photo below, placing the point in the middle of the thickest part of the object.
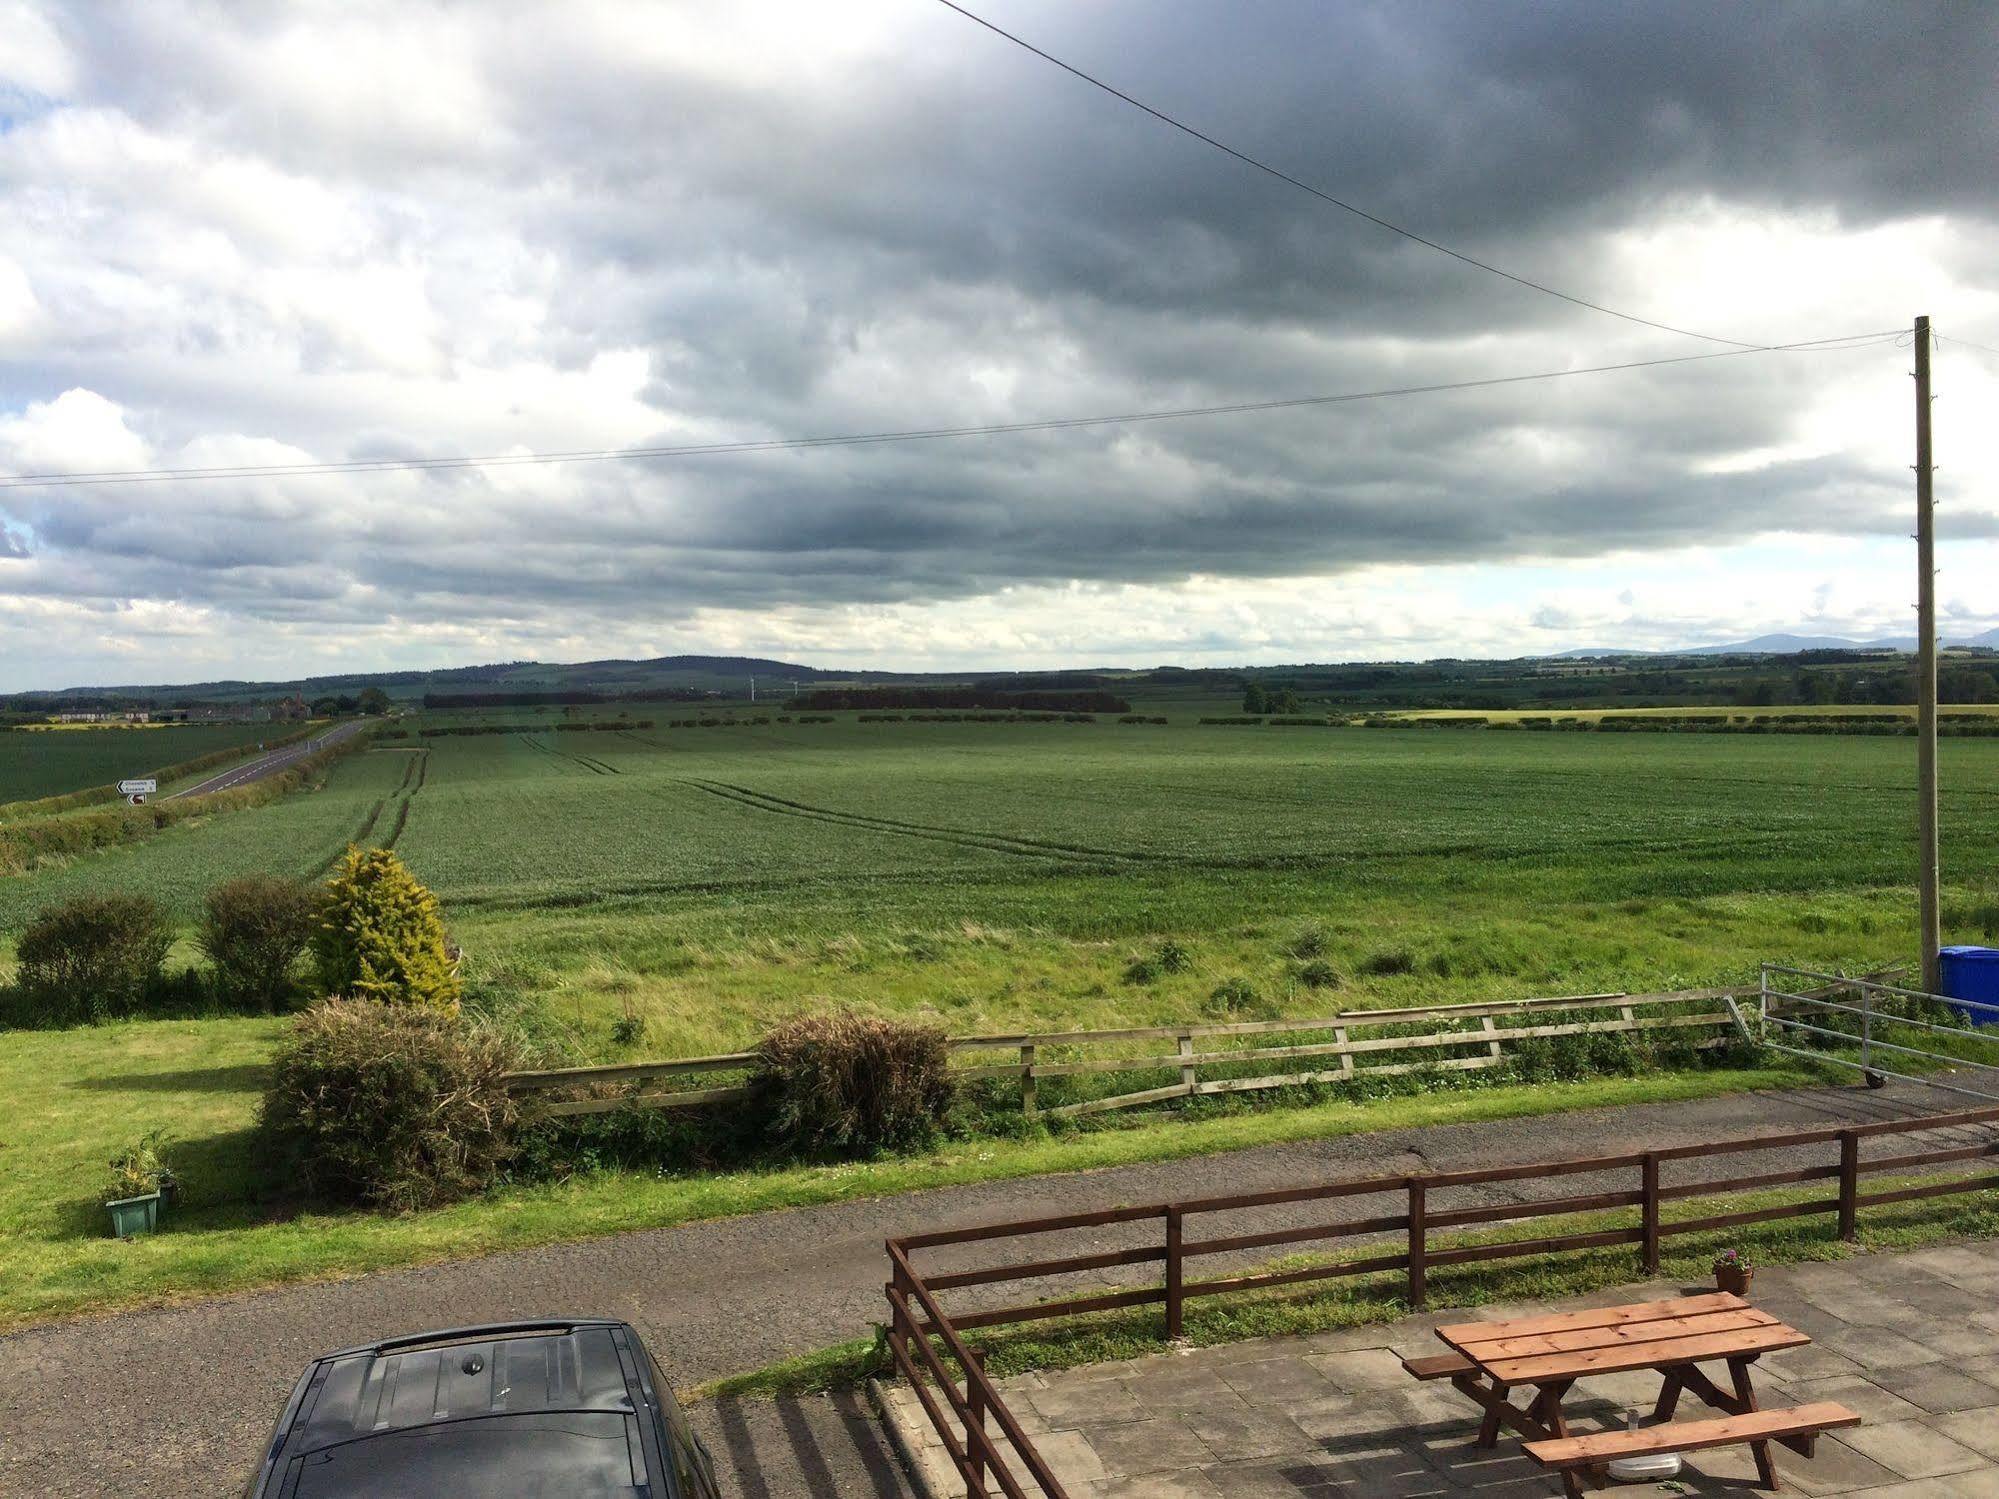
(1972, 973)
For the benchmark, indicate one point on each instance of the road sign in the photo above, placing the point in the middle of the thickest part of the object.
(144, 787)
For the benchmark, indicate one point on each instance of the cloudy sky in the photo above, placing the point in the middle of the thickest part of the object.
(265, 234)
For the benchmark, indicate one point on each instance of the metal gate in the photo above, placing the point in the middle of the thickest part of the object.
(1788, 993)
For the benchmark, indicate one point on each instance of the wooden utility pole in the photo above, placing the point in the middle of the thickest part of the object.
(1926, 670)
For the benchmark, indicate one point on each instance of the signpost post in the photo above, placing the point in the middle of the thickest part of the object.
(137, 791)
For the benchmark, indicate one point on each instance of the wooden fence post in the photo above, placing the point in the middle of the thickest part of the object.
(1418, 1272)
(898, 1312)
(975, 1429)
(1649, 1208)
(1849, 1185)
(1188, 1080)
(1174, 1273)
(1028, 1101)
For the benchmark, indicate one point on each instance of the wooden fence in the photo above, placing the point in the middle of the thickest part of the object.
(1407, 1220)
(1467, 1037)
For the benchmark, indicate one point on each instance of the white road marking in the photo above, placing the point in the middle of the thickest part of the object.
(264, 764)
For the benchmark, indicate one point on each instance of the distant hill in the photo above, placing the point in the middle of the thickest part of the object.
(1786, 645)
(1779, 645)
(1440, 682)
(728, 675)
(1790, 645)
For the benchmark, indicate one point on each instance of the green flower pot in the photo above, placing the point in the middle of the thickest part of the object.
(131, 1216)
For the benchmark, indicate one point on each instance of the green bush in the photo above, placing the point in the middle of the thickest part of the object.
(846, 1083)
(381, 935)
(392, 1105)
(93, 957)
(253, 931)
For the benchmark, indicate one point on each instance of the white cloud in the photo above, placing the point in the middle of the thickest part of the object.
(363, 230)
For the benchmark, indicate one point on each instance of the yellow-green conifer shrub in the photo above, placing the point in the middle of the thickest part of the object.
(381, 935)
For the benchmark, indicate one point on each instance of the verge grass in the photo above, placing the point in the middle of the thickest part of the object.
(202, 1079)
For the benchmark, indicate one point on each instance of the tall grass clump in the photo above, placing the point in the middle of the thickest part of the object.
(1237, 998)
(381, 935)
(843, 1083)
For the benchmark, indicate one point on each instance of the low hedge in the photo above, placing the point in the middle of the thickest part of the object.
(391, 1106)
(94, 957)
(253, 931)
(846, 1083)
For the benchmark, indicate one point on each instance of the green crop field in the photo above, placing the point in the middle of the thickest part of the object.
(673, 890)
(998, 875)
(52, 762)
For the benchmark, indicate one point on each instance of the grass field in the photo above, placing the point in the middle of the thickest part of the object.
(52, 762)
(1002, 875)
(1793, 712)
(705, 881)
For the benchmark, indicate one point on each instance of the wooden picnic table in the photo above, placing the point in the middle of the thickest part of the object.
(1549, 1354)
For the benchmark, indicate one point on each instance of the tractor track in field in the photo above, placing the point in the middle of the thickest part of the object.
(588, 762)
(360, 837)
(965, 837)
(415, 773)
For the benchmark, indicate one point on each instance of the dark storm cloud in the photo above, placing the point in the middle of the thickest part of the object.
(941, 229)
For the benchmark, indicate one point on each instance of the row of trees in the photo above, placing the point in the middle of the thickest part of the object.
(371, 701)
(1257, 698)
(1891, 687)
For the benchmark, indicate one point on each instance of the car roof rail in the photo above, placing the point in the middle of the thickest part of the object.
(447, 1335)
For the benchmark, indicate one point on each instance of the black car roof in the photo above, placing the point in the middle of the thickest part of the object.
(486, 1391)
(466, 1372)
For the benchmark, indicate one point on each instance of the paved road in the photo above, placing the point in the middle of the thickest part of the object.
(273, 761)
(201, 1382)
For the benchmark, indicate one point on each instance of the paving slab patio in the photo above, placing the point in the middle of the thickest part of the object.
(1909, 1341)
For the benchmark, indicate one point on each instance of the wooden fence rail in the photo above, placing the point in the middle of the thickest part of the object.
(1409, 1217)
(1499, 1025)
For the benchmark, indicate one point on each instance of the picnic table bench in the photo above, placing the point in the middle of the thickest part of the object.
(1548, 1354)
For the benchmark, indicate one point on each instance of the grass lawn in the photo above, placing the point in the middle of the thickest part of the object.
(200, 1079)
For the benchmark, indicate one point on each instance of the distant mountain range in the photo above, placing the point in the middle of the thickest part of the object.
(730, 676)
(1785, 645)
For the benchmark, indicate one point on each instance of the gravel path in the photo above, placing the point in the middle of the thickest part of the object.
(180, 1398)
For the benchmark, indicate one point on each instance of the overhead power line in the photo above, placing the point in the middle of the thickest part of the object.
(862, 439)
(1320, 193)
(1951, 338)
